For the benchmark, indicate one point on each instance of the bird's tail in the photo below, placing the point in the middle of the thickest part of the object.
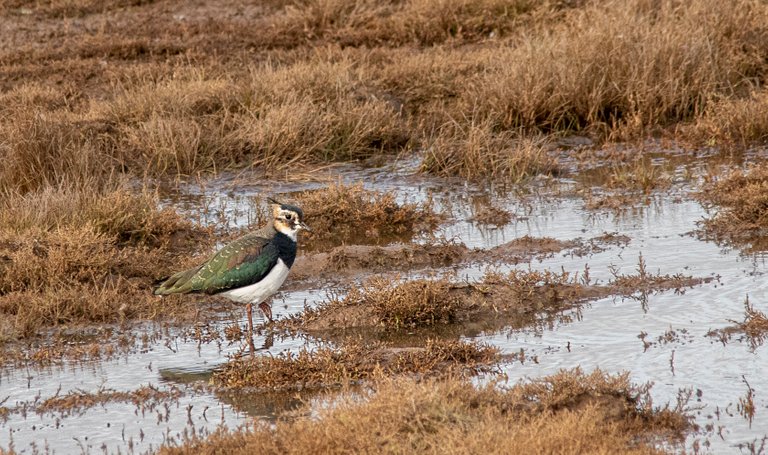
(180, 283)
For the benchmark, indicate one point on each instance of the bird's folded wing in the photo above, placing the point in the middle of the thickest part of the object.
(241, 263)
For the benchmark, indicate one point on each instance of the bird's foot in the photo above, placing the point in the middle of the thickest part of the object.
(251, 346)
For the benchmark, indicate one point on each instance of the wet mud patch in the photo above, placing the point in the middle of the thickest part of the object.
(326, 366)
(570, 412)
(357, 260)
(352, 260)
(524, 249)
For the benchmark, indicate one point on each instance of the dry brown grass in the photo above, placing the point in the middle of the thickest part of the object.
(353, 362)
(343, 213)
(754, 327)
(476, 151)
(733, 123)
(623, 68)
(192, 123)
(418, 22)
(517, 298)
(127, 216)
(387, 303)
(66, 8)
(270, 117)
(407, 304)
(740, 198)
(570, 412)
(50, 150)
(69, 257)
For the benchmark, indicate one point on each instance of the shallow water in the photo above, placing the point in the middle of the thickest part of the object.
(604, 334)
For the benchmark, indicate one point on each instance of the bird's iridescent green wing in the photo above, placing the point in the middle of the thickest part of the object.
(243, 262)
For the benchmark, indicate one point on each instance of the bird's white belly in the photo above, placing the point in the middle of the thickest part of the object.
(258, 292)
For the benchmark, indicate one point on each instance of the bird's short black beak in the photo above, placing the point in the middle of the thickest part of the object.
(304, 226)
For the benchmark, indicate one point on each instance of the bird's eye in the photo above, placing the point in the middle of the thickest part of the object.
(288, 217)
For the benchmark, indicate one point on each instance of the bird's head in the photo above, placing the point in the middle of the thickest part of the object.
(288, 219)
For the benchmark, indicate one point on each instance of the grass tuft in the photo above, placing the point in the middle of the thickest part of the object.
(328, 367)
(570, 412)
(741, 198)
(391, 304)
(754, 327)
(342, 213)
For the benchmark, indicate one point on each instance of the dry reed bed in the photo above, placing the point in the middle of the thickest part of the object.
(570, 412)
(352, 362)
(480, 106)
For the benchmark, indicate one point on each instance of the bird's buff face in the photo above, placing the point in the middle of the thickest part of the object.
(289, 220)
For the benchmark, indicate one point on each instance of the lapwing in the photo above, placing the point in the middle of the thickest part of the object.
(250, 269)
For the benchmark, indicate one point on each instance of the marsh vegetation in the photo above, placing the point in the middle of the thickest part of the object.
(111, 111)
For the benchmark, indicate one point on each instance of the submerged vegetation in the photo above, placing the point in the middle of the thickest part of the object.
(352, 362)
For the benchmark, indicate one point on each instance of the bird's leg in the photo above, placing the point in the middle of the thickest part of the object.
(266, 309)
(249, 310)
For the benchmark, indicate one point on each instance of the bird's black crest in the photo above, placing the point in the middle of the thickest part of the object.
(290, 207)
